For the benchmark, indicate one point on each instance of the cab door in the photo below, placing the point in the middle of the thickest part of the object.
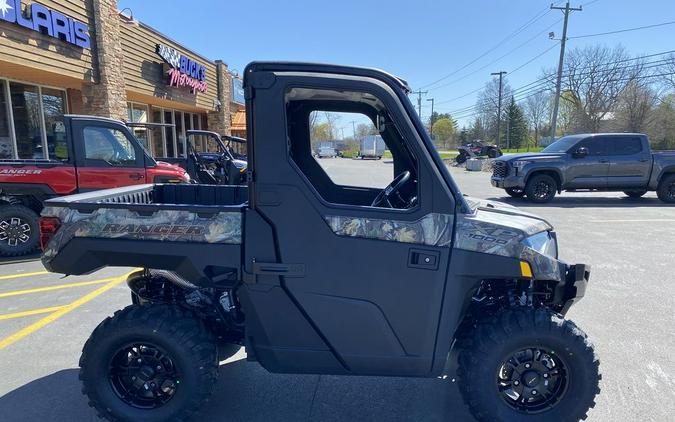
(630, 163)
(349, 286)
(107, 156)
(591, 170)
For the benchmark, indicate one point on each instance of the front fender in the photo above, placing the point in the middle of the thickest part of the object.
(536, 168)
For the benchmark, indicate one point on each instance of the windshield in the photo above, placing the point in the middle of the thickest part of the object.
(562, 145)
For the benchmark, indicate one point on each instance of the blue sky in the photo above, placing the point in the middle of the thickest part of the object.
(420, 41)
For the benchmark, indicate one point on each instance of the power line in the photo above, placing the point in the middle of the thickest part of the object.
(623, 30)
(497, 59)
(527, 24)
(549, 76)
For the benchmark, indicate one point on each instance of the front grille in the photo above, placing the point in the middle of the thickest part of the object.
(499, 169)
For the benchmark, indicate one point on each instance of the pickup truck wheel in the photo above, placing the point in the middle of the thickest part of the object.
(19, 230)
(151, 363)
(666, 190)
(541, 188)
(635, 193)
(529, 366)
(515, 192)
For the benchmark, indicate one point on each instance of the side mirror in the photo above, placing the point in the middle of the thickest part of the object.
(581, 152)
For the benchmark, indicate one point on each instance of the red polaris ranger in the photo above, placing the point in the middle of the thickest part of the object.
(90, 153)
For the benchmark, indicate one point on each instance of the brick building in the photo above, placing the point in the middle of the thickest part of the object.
(85, 57)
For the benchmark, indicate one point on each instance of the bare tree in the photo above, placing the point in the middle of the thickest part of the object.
(537, 110)
(487, 104)
(594, 79)
(635, 106)
(668, 72)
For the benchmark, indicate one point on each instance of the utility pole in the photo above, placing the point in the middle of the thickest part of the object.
(354, 128)
(499, 104)
(431, 119)
(556, 104)
(419, 101)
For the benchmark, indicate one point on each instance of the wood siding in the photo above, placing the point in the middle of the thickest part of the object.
(144, 73)
(22, 46)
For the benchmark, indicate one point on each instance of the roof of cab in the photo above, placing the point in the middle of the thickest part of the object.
(327, 68)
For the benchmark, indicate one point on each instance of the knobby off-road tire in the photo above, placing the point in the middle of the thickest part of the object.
(541, 188)
(666, 189)
(635, 193)
(483, 355)
(515, 192)
(176, 350)
(461, 158)
(19, 230)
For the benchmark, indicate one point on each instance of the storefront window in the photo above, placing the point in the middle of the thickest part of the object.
(157, 138)
(169, 131)
(180, 133)
(27, 120)
(54, 106)
(6, 148)
(138, 113)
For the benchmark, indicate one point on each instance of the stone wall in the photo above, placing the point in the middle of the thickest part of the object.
(107, 97)
(219, 120)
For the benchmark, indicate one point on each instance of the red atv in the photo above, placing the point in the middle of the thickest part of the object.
(477, 148)
(90, 153)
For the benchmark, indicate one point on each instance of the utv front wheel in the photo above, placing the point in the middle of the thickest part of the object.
(152, 363)
(530, 366)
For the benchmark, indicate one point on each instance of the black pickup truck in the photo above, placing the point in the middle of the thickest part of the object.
(311, 276)
(620, 162)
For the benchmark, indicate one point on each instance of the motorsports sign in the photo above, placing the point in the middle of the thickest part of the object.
(39, 18)
(183, 70)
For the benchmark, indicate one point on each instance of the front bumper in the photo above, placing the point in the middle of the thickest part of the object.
(508, 182)
(574, 287)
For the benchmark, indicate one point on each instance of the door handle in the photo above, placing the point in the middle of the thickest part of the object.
(424, 259)
(136, 176)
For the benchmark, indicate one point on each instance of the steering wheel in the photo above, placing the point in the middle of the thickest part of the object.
(393, 188)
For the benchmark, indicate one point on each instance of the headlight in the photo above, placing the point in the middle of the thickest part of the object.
(520, 164)
(545, 243)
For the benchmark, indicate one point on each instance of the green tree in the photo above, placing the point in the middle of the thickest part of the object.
(322, 132)
(444, 131)
(517, 126)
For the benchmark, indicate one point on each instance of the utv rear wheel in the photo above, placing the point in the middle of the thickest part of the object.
(541, 188)
(461, 158)
(635, 193)
(19, 231)
(493, 153)
(150, 363)
(666, 190)
(530, 366)
(515, 192)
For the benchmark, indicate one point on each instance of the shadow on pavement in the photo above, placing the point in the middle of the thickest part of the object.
(247, 392)
(19, 259)
(585, 202)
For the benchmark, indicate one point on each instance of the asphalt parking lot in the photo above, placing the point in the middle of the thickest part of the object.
(628, 312)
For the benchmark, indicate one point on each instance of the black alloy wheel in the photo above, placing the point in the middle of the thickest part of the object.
(532, 380)
(541, 188)
(14, 231)
(143, 375)
(666, 190)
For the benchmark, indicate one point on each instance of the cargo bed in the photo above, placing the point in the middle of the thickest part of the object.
(151, 226)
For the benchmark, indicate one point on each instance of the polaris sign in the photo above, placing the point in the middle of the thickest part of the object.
(184, 71)
(39, 18)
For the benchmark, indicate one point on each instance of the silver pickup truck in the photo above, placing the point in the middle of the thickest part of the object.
(620, 162)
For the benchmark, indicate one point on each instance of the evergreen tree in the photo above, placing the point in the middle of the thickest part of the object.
(517, 126)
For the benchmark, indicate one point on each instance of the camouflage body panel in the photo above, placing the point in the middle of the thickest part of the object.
(432, 229)
(497, 230)
(162, 225)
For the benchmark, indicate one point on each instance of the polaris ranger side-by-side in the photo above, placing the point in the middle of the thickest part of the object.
(315, 277)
